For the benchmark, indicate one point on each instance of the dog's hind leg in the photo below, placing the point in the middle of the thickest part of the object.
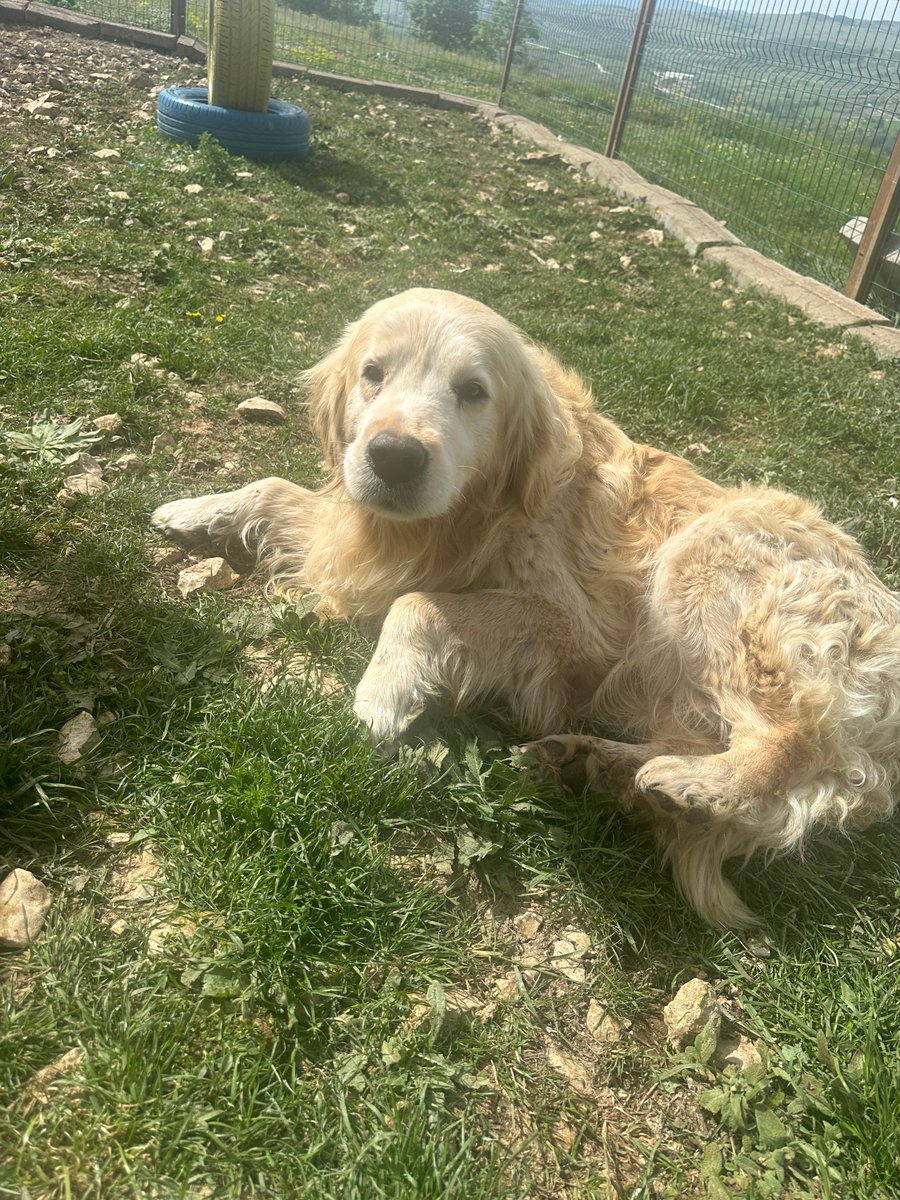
(581, 763)
(697, 788)
(696, 852)
(753, 774)
(238, 524)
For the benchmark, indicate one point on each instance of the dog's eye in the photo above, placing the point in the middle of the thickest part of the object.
(373, 373)
(471, 391)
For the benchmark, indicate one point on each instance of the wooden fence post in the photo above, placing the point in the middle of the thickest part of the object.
(629, 76)
(507, 62)
(879, 227)
(177, 17)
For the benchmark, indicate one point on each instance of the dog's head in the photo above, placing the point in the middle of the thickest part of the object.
(431, 397)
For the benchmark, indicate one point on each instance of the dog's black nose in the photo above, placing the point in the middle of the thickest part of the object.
(397, 459)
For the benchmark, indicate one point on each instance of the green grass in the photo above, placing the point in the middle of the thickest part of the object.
(784, 186)
(303, 1034)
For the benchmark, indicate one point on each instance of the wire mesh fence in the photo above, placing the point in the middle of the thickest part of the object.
(441, 44)
(777, 116)
(778, 121)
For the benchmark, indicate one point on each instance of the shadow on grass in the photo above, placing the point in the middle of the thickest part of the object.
(327, 174)
(90, 630)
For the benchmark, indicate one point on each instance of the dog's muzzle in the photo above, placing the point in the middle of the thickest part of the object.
(397, 460)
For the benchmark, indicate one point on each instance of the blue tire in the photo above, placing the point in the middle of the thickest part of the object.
(281, 132)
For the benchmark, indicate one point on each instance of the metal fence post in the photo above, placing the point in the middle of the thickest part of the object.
(177, 17)
(507, 63)
(879, 227)
(629, 76)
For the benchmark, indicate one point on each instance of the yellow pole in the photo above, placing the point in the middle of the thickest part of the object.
(241, 48)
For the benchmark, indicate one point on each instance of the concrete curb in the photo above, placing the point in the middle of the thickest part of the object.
(699, 232)
(820, 302)
(702, 235)
(883, 339)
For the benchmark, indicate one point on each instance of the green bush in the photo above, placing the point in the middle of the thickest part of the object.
(352, 12)
(447, 23)
(491, 35)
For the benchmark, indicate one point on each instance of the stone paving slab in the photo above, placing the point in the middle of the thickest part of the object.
(702, 235)
(115, 31)
(540, 135)
(883, 339)
(693, 227)
(191, 48)
(820, 302)
(56, 18)
(613, 174)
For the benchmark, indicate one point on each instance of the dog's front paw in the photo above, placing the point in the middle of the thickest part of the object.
(387, 710)
(187, 522)
(210, 523)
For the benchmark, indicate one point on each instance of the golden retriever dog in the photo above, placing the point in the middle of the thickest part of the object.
(734, 648)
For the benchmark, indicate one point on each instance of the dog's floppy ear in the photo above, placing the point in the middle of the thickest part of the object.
(328, 383)
(542, 441)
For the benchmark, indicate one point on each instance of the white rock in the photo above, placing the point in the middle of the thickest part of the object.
(110, 422)
(139, 79)
(41, 107)
(462, 1006)
(739, 1052)
(86, 484)
(602, 1027)
(568, 952)
(129, 464)
(167, 557)
(209, 575)
(689, 1012)
(136, 877)
(168, 930)
(139, 359)
(570, 1068)
(75, 736)
(508, 986)
(162, 443)
(24, 904)
(82, 464)
(257, 408)
(42, 1080)
(528, 925)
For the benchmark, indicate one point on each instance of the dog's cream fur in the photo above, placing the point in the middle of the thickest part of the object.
(736, 642)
